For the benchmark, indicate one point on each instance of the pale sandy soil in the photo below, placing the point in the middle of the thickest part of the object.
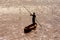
(13, 19)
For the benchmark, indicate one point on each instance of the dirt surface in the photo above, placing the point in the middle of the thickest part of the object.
(14, 18)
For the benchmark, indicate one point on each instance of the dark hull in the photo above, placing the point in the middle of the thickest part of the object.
(30, 28)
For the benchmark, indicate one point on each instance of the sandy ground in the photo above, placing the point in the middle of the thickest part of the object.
(13, 20)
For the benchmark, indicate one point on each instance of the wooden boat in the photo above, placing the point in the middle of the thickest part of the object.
(30, 28)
